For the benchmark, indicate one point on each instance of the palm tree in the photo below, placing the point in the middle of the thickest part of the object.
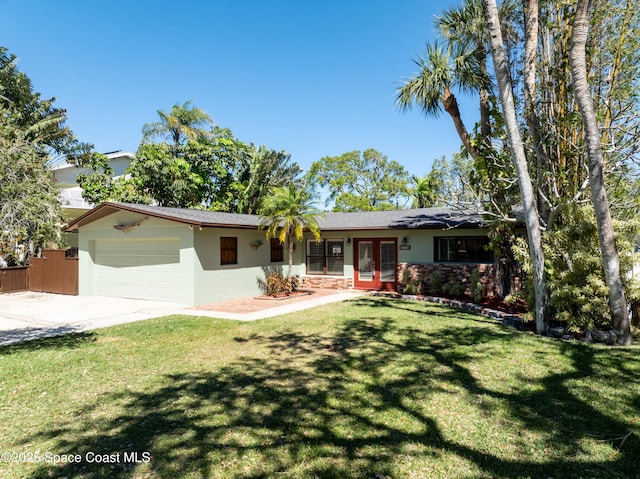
(532, 219)
(286, 214)
(183, 123)
(443, 69)
(426, 191)
(265, 170)
(578, 62)
(466, 25)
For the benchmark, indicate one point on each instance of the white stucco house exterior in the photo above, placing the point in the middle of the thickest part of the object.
(65, 178)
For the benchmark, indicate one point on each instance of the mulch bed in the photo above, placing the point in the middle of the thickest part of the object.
(510, 314)
(284, 297)
(519, 307)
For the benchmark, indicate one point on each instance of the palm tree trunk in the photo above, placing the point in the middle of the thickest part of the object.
(291, 244)
(532, 219)
(533, 121)
(451, 106)
(484, 95)
(578, 63)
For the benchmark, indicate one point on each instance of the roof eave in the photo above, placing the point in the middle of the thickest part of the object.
(408, 227)
(108, 208)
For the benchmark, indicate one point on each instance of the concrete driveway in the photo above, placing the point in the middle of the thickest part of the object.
(28, 315)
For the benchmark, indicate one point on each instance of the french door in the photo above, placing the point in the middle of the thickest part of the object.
(375, 263)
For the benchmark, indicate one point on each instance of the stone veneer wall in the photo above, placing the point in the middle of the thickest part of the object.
(326, 282)
(421, 272)
(461, 273)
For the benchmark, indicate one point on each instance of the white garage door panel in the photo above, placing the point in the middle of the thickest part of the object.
(141, 268)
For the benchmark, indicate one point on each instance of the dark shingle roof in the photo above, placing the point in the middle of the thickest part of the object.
(181, 215)
(198, 217)
(424, 218)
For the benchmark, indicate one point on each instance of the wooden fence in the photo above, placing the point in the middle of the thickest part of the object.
(15, 278)
(54, 272)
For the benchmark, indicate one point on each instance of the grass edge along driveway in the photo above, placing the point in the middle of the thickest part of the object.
(368, 388)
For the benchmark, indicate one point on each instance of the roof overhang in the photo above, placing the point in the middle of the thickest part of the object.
(108, 208)
(426, 218)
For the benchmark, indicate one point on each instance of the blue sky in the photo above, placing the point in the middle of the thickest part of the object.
(312, 78)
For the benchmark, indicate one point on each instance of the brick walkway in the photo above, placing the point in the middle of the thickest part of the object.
(253, 304)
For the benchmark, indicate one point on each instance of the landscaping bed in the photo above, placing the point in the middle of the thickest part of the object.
(284, 296)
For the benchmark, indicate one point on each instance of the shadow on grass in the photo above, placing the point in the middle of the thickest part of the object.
(46, 338)
(348, 404)
(434, 310)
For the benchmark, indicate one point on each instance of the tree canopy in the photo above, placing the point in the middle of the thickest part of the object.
(29, 210)
(552, 149)
(42, 122)
(32, 133)
(183, 123)
(358, 181)
(191, 167)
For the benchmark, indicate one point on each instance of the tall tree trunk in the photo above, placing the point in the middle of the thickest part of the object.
(532, 219)
(484, 94)
(577, 60)
(290, 247)
(505, 263)
(533, 121)
(451, 106)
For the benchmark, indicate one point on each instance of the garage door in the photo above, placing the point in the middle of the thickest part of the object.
(140, 268)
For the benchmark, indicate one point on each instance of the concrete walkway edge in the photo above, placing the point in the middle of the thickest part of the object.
(277, 310)
(27, 316)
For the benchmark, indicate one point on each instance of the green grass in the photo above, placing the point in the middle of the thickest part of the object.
(370, 388)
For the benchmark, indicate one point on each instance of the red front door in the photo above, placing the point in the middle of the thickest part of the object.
(375, 263)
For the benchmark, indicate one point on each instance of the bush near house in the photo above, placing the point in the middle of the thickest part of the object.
(276, 284)
(578, 294)
(450, 279)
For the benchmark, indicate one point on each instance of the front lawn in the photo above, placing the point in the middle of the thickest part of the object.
(369, 388)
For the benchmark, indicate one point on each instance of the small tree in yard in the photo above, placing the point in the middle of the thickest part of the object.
(30, 214)
(286, 214)
(32, 136)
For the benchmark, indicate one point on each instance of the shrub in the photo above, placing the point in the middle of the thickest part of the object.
(276, 284)
(453, 287)
(411, 286)
(578, 294)
(513, 298)
(476, 288)
(436, 284)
